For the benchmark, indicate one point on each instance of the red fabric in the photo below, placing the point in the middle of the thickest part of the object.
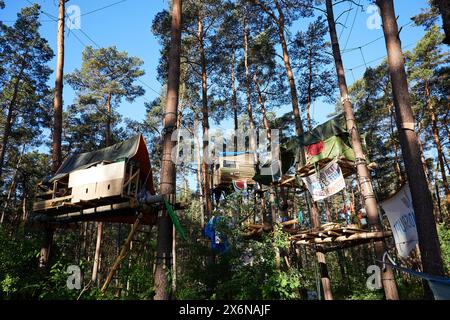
(240, 184)
(315, 149)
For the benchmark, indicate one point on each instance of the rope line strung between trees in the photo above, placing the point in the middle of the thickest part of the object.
(99, 9)
(81, 15)
(379, 58)
(353, 24)
(55, 19)
(345, 22)
(372, 41)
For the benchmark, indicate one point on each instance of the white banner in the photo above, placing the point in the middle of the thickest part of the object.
(400, 213)
(327, 182)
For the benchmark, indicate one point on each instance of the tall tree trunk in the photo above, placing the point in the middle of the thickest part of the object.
(290, 76)
(326, 283)
(280, 22)
(98, 244)
(444, 9)
(364, 180)
(168, 170)
(310, 79)
(8, 121)
(12, 186)
(108, 135)
(248, 91)
(57, 102)
(205, 122)
(438, 207)
(421, 197)
(199, 172)
(263, 108)
(437, 141)
(426, 170)
(398, 171)
(234, 99)
(268, 225)
(57, 121)
(323, 268)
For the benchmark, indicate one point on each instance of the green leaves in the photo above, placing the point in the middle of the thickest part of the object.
(283, 286)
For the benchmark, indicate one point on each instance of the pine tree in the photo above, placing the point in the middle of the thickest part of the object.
(423, 68)
(421, 197)
(311, 61)
(24, 54)
(106, 77)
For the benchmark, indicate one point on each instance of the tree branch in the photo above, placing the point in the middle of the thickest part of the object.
(266, 10)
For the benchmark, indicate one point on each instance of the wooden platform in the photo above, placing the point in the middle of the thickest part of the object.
(334, 234)
(117, 212)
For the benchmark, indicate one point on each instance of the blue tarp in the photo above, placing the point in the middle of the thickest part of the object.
(439, 285)
(219, 242)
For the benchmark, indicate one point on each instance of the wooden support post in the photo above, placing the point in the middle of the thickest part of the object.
(324, 277)
(46, 246)
(98, 244)
(123, 253)
(323, 268)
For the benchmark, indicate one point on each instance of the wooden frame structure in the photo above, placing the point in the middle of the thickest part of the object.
(328, 234)
(102, 185)
(233, 167)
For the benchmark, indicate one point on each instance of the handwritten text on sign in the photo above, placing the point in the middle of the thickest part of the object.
(400, 213)
(327, 182)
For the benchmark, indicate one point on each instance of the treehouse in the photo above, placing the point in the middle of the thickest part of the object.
(278, 170)
(325, 143)
(101, 185)
(231, 166)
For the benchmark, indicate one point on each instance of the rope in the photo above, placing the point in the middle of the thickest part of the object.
(422, 275)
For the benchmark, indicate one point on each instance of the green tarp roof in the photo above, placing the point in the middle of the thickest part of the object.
(117, 152)
(334, 127)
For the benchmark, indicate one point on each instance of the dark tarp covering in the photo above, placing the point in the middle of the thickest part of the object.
(287, 156)
(133, 147)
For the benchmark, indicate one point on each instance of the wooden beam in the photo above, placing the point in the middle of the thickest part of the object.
(356, 236)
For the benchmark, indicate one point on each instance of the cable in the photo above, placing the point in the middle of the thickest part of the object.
(372, 41)
(374, 60)
(362, 46)
(99, 9)
(76, 37)
(141, 81)
(346, 18)
(55, 19)
(362, 55)
(90, 39)
(353, 24)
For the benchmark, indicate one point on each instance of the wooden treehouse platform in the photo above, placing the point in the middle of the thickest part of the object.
(102, 185)
(329, 236)
(227, 168)
(334, 233)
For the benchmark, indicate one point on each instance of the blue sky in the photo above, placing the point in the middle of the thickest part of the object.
(126, 24)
